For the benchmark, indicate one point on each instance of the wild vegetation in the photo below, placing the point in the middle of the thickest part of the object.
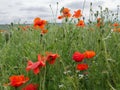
(75, 55)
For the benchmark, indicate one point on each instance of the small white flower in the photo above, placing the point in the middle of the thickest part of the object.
(80, 76)
(66, 72)
(60, 86)
(111, 30)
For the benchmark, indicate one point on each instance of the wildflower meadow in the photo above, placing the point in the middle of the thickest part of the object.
(73, 55)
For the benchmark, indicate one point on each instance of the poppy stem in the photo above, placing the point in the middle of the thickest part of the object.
(44, 78)
(106, 55)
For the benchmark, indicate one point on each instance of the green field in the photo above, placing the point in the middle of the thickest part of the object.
(103, 72)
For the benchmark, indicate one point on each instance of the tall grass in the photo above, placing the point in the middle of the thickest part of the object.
(103, 72)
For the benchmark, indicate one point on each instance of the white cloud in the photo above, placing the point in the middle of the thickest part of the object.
(27, 10)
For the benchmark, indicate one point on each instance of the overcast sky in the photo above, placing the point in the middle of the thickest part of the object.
(24, 11)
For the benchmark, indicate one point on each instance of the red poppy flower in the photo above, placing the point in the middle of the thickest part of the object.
(44, 31)
(80, 23)
(82, 67)
(99, 22)
(41, 58)
(89, 54)
(18, 80)
(77, 14)
(60, 17)
(35, 66)
(116, 24)
(51, 57)
(38, 23)
(66, 12)
(30, 87)
(78, 57)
